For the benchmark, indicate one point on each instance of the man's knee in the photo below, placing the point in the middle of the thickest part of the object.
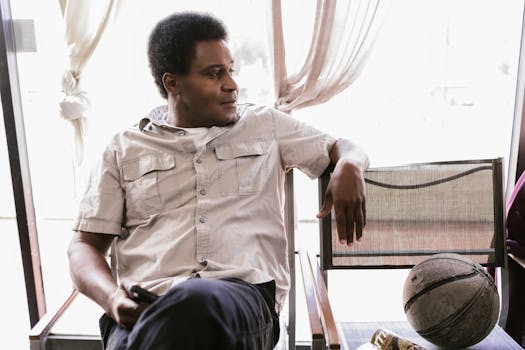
(186, 316)
(196, 296)
(193, 303)
(200, 312)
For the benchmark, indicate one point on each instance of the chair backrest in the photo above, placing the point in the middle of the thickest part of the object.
(417, 210)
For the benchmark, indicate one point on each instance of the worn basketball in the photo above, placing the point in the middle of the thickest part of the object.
(450, 300)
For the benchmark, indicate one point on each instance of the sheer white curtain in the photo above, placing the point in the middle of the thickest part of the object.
(342, 36)
(85, 22)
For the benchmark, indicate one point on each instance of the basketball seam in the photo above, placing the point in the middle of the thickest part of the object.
(435, 285)
(451, 320)
(450, 279)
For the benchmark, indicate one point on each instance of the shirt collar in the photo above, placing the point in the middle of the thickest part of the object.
(158, 116)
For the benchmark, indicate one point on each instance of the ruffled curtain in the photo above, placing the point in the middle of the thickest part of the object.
(83, 30)
(342, 37)
(343, 34)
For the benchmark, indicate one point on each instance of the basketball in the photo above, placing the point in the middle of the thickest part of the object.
(450, 300)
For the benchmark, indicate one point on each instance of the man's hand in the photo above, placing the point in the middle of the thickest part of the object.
(123, 309)
(514, 247)
(346, 193)
(92, 277)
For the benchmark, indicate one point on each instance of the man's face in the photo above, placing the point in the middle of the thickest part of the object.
(207, 95)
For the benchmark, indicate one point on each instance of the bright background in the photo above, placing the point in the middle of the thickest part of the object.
(439, 85)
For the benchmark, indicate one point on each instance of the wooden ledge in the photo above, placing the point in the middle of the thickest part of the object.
(322, 322)
(42, 328)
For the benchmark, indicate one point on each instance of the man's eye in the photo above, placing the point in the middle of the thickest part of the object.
(214, 74)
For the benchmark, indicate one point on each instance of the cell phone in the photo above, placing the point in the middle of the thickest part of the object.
(141, 295)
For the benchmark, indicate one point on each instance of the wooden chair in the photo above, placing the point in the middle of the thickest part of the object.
(413, 211)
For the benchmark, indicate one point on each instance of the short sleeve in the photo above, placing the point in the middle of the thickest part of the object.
(302, 146)
(102, 206)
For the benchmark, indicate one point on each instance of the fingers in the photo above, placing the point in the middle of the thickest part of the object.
(129, 312)
(350, 225)
(345, 222)
(327, 207)
(344, 219)
(360, 221)
(363, 210)
(350, 220)
(341, 223)
(124, 310)
(515, 248)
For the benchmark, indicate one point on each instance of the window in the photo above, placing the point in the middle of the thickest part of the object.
(439, 85)
(11, 260)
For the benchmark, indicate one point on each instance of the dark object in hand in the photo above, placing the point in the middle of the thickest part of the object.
(142, 295)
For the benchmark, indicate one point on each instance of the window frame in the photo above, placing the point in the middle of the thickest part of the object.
(19, 165)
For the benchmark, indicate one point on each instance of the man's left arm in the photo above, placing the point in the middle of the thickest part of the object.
(346, 190)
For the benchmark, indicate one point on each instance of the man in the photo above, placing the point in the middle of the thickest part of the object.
(194, 196)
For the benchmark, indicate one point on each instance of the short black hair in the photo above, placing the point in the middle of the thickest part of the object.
(171, 45)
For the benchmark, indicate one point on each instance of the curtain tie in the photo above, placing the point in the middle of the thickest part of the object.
(75, 103)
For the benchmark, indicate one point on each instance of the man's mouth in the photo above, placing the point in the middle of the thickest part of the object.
(232, 100)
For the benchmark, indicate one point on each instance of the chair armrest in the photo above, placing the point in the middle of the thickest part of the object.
(319, 309)
(40, 331)
(316, 327)
(327, 317)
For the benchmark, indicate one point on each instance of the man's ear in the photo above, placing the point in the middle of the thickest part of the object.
(170, 83)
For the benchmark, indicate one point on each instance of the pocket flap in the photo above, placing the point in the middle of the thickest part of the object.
(136, 168)
(231, 151)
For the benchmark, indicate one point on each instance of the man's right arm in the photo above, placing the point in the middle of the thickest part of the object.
(92, 276)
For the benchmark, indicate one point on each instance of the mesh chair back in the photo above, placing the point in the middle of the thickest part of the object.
(418, 210)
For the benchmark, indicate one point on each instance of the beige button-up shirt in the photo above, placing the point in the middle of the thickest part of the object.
(209, 205)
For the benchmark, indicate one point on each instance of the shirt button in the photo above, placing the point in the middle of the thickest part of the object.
(203, 192)
(199, 161)
(202, 219)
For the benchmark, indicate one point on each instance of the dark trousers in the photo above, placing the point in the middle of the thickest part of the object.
(202, 314)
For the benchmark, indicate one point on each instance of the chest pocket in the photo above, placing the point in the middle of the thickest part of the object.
(242, 167)
(141, 177)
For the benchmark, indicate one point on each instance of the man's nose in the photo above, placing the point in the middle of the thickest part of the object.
(229, 83)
